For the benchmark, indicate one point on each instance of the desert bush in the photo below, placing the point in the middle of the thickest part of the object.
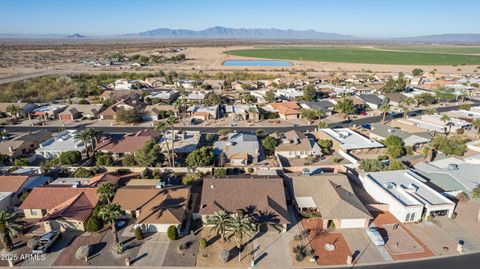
(172, 232)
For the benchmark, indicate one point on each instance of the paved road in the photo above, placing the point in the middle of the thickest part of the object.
(207, 129)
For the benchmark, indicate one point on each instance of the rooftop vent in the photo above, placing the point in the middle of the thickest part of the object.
(453, 167)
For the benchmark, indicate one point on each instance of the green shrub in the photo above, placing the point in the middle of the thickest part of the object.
(218, 172)
(94, 224)
(336, 160)
(250, 170)
(21, 162)
(83, 173)
(203, 243)
(104, 159)
(138, 233)
(331, 225)
(129, 160)
(70, 157)
(172, 232)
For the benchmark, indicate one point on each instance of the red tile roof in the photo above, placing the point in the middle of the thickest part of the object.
(286, 108)
(126, 144)
(12, 183)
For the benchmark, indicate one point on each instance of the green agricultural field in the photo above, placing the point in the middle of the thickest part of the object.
(361, 55)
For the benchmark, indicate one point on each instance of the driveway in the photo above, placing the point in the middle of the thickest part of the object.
(153, 250)
(271, 250)
(54, 251)
(364, 251)
(437, 239)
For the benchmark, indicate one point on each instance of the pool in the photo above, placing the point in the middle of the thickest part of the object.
(255, 63)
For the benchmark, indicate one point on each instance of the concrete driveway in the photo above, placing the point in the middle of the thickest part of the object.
(271, 250)
(54, 251)
(363, 249)
(437, 239)
(152, 252)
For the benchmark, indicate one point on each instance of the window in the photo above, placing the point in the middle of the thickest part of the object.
(412, 217)
(408, 217)
(33, 212)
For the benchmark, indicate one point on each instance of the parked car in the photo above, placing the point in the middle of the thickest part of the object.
(46, 240)
(375, 236)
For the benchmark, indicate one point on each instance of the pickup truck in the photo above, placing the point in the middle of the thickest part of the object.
(45, 241)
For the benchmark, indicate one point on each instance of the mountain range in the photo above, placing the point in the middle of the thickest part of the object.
(219, 32)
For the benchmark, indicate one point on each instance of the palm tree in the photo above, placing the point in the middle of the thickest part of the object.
(94, 135)
(171, 122)
(240, 227)
(384, 108)
(106, 192)
(161, 126)
(13, 110)
(476, 124)
(84, 136)
(220, 221)
(10, 225)
(445, 120)
(109, 213)
(345, 107)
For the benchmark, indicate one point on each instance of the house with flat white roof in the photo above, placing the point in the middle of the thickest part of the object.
(407, 197)
(64, 141)
(434, 123)
(466, 114)
(347, 139)
(289, 94)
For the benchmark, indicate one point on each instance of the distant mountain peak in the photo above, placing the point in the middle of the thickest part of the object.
(76, 35)
(221, 32)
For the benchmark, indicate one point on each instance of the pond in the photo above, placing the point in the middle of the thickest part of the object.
(255, 63)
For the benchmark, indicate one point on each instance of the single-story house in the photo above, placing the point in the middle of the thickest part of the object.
(110, 113)
(395, 99)
(76, 111)
(371, 100)
(262, 199)
(158, 111)
(322, 105)
(164, 96)
(294, 144)
(13, 186)
(347, 139)
(184, 141)
(25, 108)
(408, 198)
(330, 197)
(241, 149)
(121, 145)
(48, 111)
(154, 210)
(62, 142)
(286, 110)
(380, 131)
(242, 112)
(204, 113)
(60, 208)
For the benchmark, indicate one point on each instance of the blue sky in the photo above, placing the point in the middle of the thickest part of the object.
(364, 18)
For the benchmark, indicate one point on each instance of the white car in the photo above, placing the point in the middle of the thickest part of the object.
(375, 236)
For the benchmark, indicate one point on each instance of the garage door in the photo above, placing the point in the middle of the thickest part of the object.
(157, 228)
(352, 223)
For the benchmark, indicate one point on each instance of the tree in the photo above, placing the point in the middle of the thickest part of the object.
(397, 85)
(449, 145)
(240, 227)
(10, 225)
(417, 72)
(309, 93)
(162, 128)
(326, 145)
(109, 213)
(249, 99)
(213, 99)
(269, 143)
(396, 165)
(13, 110)
(138, 233)
(203, 243)
(129, 116)
(219, 221)
(83, 173)
(425, 98)
(4, 159)
(21, 162)
(445, 94)
(171, 122)
(189, 179)
(311, 114)
(345, 107)
(84, 137)
(200, 157)
(129, 160)
(370, 165)
(444, 118)
(104, 159)
(476, 124)
(395, 146)
(385, 108)
(224, 132)
(431, 111)
(172, 232)
(94, 224)
(149, 155)
(269, 96)
(106, 192)
(71, 157)
(322, 125)
(465, 106)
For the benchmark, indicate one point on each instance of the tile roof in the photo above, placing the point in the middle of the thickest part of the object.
(286, 108)
(75, 203)
(157, 206)
(100, 178)
(12, 183)
(265, 196)
(332, 194)
(124, 144)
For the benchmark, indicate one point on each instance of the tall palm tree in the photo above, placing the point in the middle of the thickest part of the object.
(240, 227)
(94, 135)
(84, 136)
(10, 225)
(109, 213)
(106, 192)
(13, 110)
(171, 122)
(384, 108)
(220, 221)
(476, 124)
(161, 126)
